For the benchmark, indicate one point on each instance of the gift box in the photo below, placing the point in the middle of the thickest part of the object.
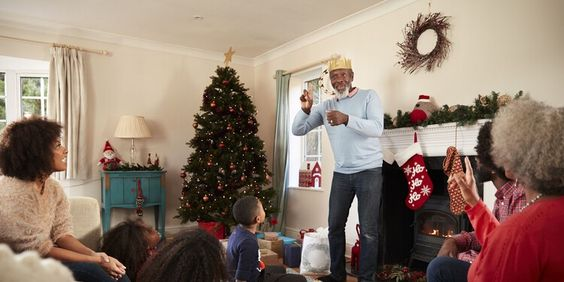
(276, 246)
(292, 255)
(287, 240)
(269, 257)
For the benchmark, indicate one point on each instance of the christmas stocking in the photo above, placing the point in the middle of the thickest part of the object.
(418, 180)
(452, 166)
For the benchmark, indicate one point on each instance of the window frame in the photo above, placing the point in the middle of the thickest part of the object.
(297, 144)
(14, 70)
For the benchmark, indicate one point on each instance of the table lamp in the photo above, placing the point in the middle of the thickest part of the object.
(132, 127)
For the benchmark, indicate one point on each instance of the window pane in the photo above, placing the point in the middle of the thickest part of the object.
(31, 107)
(312, 143)
(31, 86)
(3, 109)
(313, 87)
(2, 82)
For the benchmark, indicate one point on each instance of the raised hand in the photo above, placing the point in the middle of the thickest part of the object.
(467, 184)
(307, 101)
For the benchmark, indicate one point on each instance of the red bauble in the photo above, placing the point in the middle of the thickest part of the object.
(229, 127)
(225, 82)
(212, 104)
(221, 145)
(210, 163)
(231, 110)
(195, 125)
(243, 178)
(232, 166)
(220, 187)
(205, 198)
(183, 174)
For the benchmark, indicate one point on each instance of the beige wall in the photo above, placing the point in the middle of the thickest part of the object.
(165, 88)
(499, 45)
(503, 46)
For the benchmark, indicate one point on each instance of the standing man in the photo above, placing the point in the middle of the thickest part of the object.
(354, 120)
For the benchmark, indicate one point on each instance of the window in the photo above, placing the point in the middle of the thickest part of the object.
(308, 148)
(23, 88)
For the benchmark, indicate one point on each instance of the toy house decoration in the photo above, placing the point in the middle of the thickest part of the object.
(305, 176)
(316, 175)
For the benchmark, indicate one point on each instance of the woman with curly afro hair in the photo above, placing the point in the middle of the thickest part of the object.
(35, 213)
(528, 139)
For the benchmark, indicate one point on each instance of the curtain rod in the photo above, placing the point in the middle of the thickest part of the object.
(95, 51)
(322, 61)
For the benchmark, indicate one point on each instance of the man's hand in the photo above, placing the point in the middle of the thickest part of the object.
(448, 249)
(337, 118)
(307, 102)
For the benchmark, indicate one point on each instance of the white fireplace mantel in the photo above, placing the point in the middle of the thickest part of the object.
(434, 139)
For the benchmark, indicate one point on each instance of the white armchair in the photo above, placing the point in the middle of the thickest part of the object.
(85, 213)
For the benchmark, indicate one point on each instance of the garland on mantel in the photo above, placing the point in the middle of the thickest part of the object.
(484, 107)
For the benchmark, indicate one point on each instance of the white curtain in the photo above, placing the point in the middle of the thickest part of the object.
(66, 104)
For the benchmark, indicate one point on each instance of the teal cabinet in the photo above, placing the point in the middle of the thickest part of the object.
(119, 190)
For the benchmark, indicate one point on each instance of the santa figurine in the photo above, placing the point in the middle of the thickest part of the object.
(109, 161)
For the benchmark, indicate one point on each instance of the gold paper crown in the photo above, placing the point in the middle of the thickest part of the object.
(339, 63)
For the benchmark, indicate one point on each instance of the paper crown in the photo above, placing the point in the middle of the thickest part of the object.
(339, 63)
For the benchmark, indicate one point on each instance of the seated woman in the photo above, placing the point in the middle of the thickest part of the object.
(192, 255)
(132, 242)
(527, 142)
(35, 213)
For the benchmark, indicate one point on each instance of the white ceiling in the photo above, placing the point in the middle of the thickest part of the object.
(252, 27)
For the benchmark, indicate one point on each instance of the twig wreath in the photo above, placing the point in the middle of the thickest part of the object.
(410, 58)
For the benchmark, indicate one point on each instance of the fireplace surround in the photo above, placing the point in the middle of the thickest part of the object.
(414, 237)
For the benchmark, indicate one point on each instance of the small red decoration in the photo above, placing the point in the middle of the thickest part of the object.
(355, 251)
(205, 198)
(195, 125)
(213, 104)
(225, 82)
(231, 110)
(316, 175)
(221, 145)
(139, 199)
(183, 174)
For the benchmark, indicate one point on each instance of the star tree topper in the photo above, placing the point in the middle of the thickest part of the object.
(228, 56)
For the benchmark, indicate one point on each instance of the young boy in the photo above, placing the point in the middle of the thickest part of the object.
(243, 254)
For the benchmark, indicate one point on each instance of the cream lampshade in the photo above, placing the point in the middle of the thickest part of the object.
(132, 127)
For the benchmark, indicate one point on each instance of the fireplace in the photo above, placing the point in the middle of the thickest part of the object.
(433, 223)
(414, 237)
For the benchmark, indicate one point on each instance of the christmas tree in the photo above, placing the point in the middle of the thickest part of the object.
(228, 161)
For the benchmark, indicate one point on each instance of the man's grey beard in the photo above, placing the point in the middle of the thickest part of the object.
(342, 94)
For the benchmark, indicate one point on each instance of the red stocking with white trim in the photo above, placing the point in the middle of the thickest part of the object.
(418, 180)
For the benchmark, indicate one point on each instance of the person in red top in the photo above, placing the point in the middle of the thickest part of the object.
(528, 246)
(458, 252)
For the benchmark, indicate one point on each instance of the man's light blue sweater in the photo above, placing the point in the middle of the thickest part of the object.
(356, 146)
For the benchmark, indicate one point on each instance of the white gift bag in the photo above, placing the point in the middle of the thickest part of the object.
(315, 253)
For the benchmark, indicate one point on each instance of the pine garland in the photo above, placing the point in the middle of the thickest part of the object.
(484, 107)
(135, 167)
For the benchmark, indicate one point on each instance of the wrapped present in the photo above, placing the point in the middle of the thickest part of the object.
(292, 255)
(275, 246)
(269, 257)
(287, 240)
